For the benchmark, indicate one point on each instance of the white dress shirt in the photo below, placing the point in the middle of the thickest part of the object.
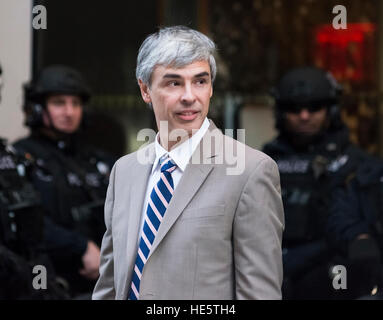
(180, 155)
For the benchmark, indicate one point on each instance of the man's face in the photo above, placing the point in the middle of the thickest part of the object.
(306, 123)
(180, 96)
(65, 113)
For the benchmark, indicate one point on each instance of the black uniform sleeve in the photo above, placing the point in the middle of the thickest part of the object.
(63, 244)
(345, 220)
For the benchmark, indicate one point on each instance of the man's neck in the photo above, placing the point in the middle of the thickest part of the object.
(168, 143)
(50, 134)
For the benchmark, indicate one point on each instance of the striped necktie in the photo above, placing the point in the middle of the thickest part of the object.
(157, 205)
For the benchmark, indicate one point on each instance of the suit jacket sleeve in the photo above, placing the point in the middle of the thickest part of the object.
(258, 227)
(104, 289)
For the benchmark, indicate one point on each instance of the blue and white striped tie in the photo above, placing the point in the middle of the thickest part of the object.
(158, 203)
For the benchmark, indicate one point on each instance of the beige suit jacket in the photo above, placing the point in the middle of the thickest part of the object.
(221, 234)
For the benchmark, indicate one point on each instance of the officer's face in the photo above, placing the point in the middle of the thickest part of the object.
(180, 96)
(305, 122)
(63, 112)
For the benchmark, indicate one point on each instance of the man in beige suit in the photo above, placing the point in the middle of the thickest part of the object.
(196, 214)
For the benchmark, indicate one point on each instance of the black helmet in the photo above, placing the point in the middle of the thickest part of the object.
(56, 79)
(307, 87)
(59, 80)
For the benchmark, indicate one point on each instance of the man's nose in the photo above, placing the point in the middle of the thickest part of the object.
(304, 114)
(188, 96)
(69, 108)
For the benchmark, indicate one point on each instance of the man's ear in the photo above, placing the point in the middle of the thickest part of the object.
(46, 118)
(144, 91)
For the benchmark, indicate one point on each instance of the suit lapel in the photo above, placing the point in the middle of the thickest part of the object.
(139, 177)
(192, 179)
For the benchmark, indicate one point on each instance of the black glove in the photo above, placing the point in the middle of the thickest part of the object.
(364, 270)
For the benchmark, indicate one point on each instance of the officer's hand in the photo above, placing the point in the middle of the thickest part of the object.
(91, 261)
(365, 264)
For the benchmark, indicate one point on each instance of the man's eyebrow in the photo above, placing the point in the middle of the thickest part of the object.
(177, 76)
(202, 74)
(171, 75)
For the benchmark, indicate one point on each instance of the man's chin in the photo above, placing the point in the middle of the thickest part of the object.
(67, 130)
(191, 127)
(302, 138)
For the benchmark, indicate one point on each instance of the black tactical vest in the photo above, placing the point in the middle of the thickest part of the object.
(307, 179)
(72, 183)
(21, 216)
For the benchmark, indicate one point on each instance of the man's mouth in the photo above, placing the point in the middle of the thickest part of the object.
(189, 115)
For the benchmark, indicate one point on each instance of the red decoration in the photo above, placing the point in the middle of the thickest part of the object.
(349, 54)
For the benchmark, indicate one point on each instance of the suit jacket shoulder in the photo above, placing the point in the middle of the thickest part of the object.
(143, 156)
(247, 158)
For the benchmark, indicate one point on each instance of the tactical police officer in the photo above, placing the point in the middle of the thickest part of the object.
(313, 153)
(71, 177)
(21, 231)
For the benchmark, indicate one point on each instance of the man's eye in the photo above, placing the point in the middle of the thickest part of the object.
(173, 83)
(58, 103)
(201, 81)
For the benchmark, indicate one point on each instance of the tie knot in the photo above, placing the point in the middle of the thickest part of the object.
(167, 164)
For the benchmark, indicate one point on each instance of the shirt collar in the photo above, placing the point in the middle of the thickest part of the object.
(182, 153)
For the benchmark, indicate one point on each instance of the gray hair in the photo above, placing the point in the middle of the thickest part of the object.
(177, 47)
